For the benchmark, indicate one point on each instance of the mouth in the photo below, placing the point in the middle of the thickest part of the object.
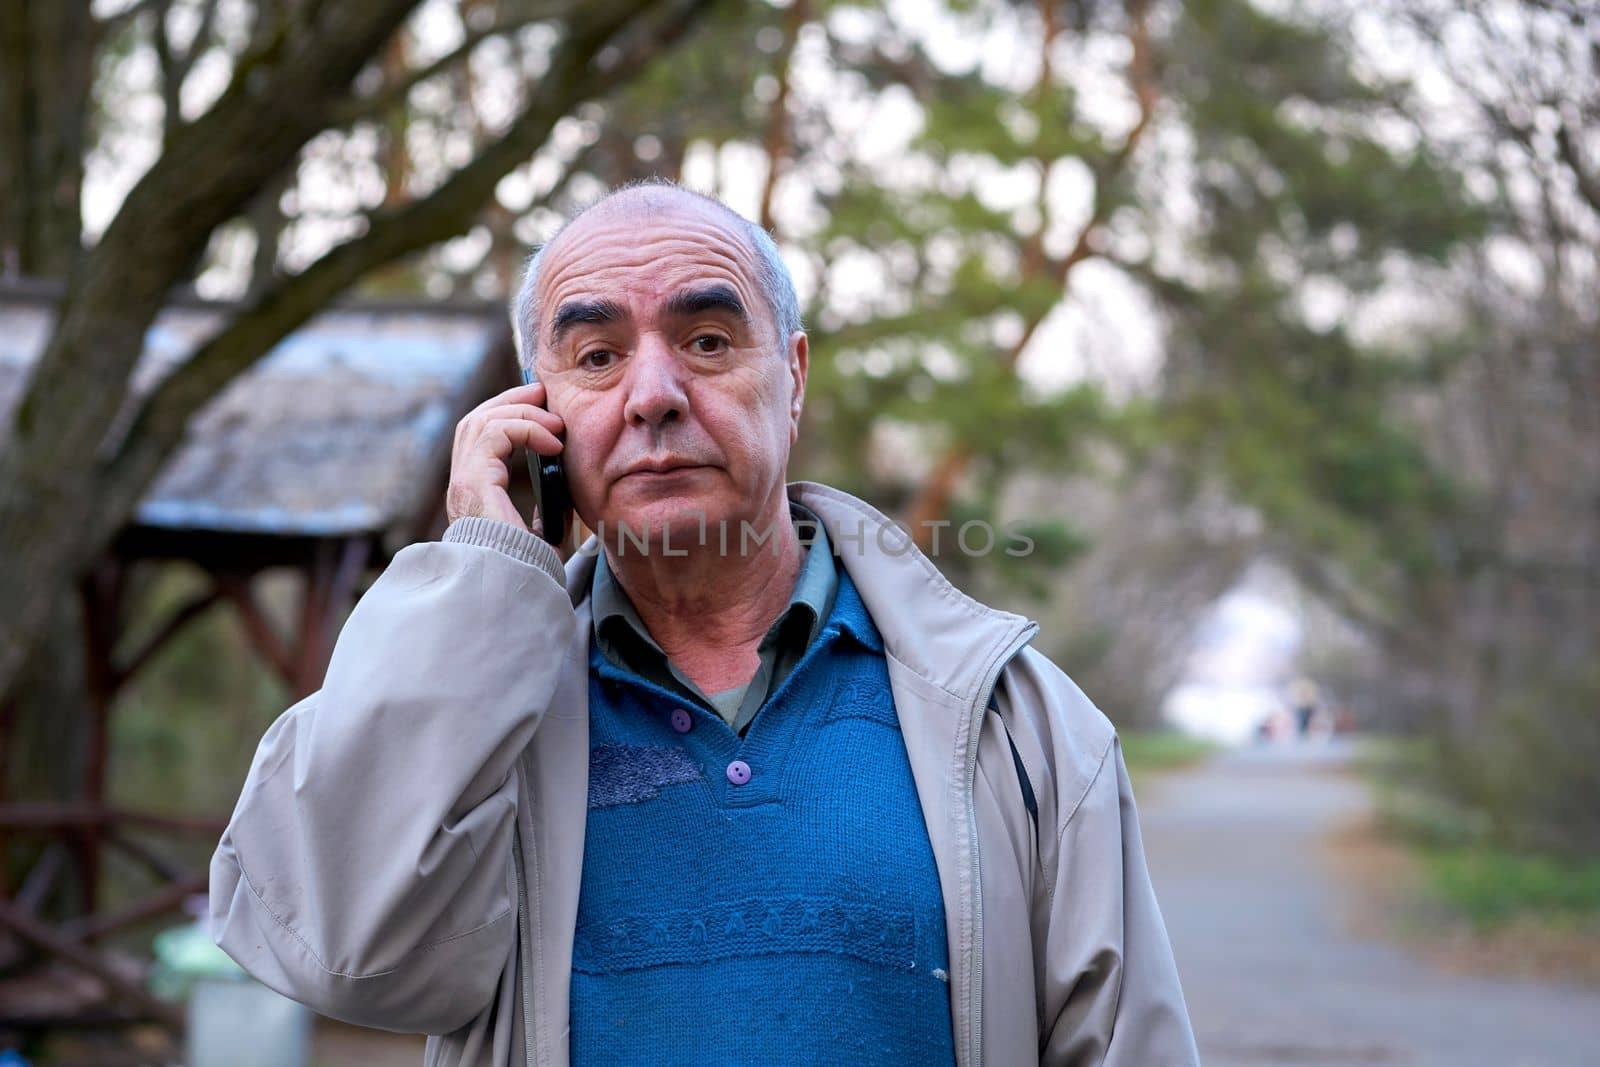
(662, 468)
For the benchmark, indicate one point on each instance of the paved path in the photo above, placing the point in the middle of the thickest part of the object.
(1273, 977)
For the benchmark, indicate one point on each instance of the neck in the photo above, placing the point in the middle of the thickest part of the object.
(708, 609)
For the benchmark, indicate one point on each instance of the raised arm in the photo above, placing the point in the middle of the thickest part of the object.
(366, 869)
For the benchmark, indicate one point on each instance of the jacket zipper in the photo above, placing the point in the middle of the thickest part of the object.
(974, 731)
(524, 933)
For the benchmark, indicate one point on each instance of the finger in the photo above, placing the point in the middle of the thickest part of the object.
(500, 436)
(532, 393)
(543, 416)
(471, 428)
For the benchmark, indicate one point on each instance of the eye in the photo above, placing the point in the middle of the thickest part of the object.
(709, 344)
(597, 359)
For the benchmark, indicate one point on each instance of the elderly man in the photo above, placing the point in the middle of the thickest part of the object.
(748, 782)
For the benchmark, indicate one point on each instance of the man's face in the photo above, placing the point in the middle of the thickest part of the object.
(660, 353)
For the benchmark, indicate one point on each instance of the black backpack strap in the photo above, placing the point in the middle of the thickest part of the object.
(1029, 801)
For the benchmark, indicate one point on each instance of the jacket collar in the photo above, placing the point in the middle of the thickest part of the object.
(932, 628)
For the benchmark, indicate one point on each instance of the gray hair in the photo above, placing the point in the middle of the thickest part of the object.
(772, 276)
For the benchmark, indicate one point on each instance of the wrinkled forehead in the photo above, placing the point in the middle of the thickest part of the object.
(638, 248)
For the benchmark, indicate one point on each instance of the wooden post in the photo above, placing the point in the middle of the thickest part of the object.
(102, 604)
(330, 590)
(259, 628)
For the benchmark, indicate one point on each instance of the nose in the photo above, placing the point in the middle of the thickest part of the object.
(655, 388)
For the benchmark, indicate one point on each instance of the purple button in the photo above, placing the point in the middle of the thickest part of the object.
(738, 772)
(682, 721)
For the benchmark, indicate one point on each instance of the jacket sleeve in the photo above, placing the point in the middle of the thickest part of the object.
(366, 871)
(1112, 996)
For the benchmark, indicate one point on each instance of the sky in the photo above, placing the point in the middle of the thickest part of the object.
(1243, 657)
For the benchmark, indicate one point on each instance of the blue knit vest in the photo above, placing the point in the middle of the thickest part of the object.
(770, 899)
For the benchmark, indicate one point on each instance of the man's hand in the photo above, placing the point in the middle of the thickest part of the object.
(485, 440)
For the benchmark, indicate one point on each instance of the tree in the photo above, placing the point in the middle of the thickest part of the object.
(81, 448)
(1502, 589)
(1220, 168)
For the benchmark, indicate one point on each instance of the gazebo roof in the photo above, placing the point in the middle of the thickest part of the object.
(342, 429)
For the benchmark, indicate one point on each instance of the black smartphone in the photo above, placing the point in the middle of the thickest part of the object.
(550, 493)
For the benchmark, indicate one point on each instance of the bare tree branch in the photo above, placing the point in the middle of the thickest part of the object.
(776, 140)
(1588, 182)
(111, 24)
(587, 64)
(208, 173)
(171, 80)
(394, 93)
(175, 64)
(1146, 90)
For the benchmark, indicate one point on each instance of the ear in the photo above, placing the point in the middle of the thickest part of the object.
(799, 353)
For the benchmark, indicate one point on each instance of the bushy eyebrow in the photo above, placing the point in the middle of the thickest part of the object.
(584, 312)
(687, 302)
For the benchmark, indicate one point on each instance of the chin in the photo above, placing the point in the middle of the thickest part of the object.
(669, 523)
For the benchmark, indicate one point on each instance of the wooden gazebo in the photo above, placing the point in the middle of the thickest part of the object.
(322, 461)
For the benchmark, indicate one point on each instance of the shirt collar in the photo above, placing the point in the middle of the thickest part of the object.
(814, 588)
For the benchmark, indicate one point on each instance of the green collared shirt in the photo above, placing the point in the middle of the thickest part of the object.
(622, 637)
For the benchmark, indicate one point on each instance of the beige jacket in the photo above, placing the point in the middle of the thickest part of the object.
(407, 849)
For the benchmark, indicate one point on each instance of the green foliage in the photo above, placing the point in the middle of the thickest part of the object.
(1486, 846)
(1054, 543)
(1493, 886)
(1413, 803)
(1300, 421)
(1294, 185)
(704, 93)
(1337, 478)
(1283, 128)
(1532, 768)
(1151, 752)
(1020, 556)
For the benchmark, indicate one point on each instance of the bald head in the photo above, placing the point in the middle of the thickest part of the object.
(646, 202)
